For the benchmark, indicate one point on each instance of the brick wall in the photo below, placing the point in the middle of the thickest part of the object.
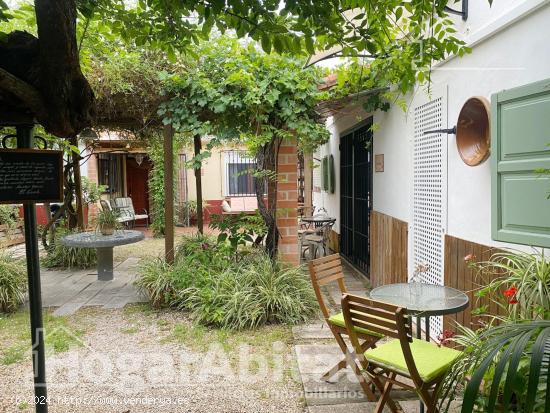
(287, 202)
(94, 178)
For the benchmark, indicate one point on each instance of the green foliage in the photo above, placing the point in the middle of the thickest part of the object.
(61, 334)
(9, 215)
(155, 151)
(238, 92)
(508, 360)
(239, 229)
(186, 212)
(519, 283)
(253, 293)
(108, 219)
(219, 291)
(508, 366)
(13, 283)
(157, 280)
(61, 256)
(91, 192)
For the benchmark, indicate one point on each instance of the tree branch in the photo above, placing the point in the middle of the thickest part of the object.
(27, 94)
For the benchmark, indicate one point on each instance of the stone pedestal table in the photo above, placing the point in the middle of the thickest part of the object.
(104, 245)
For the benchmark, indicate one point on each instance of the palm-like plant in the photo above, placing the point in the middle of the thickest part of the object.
(507, 362)
(519, 283)
(509, 369)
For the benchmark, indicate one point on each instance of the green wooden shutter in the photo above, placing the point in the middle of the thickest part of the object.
(324, 173)
(520, 137)
(331, 175)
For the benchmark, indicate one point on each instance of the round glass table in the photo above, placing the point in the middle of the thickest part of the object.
(104, 245)
(422, 300)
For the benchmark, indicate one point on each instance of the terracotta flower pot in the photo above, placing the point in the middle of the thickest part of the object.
(107, 230)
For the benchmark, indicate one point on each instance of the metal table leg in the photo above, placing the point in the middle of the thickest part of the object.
(419, 336)
(105, 264)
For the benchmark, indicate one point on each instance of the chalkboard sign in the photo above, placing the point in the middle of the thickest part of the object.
(29, 175)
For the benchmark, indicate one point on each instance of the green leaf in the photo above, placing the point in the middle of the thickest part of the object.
(266, 43)
(309, 45)
(538, 353)
(398, 13)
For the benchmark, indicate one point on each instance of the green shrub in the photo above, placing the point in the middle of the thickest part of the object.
(157, 281)
(13, 283)
(207, 281)
(195, 245)
(9, 214)
(62, 256)
(254, 293)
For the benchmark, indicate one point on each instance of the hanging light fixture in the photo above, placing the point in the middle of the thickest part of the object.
(139, 158)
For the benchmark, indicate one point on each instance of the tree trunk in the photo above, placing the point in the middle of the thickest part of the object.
(69, 97)
(41, 79)
(266, 159)
(77, 186)
(198, 181)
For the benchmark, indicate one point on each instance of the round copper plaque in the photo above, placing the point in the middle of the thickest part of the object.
(473, 132)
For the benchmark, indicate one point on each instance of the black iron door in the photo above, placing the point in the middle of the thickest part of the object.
(356, 195)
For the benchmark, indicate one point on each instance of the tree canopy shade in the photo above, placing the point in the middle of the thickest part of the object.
(41, 78)
(237, 92)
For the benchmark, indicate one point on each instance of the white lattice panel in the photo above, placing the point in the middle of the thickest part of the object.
(429, 192)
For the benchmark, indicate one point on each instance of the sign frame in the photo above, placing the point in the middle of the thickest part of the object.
(59, 155)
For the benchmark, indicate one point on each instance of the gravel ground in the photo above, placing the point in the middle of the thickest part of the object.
(138, 360)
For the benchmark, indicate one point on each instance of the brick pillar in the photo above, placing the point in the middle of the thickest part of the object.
(287, 202)
(92, 174)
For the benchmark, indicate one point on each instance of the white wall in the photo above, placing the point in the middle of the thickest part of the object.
(510, 48)
(515, 56)
(336, 124)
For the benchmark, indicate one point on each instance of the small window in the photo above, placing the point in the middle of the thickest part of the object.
(240, 169)
(110, 172)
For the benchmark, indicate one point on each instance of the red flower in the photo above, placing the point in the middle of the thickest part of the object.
(513, 301)
(469, 257)
(510, 292)
(445, 337)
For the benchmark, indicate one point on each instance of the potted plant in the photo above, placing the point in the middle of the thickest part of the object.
(107, 221)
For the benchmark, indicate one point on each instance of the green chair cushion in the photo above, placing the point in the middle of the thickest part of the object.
(431, 360)
(338, 320)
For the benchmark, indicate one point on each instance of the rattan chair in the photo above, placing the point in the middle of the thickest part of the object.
(327, 270)
(422, 364)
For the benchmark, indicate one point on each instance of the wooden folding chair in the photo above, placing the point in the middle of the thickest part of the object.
(422, 362)
(324, 271)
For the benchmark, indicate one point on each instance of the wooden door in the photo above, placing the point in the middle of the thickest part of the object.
(137, 184)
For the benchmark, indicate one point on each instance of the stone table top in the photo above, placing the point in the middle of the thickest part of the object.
(97, 240)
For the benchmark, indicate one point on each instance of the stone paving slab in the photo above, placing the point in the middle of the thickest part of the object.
(317, 352)
(70, 290)
(365, 407)
(336, 295)
(315, 331)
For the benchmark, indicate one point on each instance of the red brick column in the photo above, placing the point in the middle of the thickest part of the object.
(287, 202)
(91, 163)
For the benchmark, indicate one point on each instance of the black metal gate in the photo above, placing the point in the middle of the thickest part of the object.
(356, 195)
